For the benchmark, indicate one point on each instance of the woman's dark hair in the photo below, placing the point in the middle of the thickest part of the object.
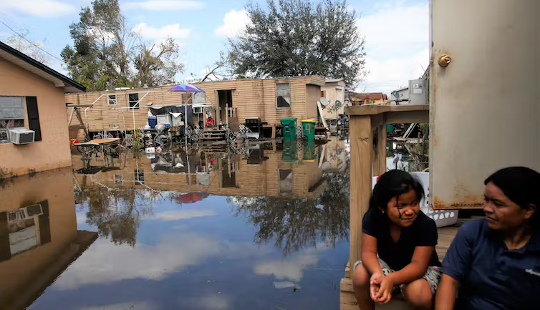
(521, 185)
(393, 184)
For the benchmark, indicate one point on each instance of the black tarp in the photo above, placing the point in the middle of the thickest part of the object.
(174, 109)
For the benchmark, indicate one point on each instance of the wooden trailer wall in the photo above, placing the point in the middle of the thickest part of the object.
(250, 98)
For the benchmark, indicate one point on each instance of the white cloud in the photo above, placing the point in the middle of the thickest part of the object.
(41, 8)
(284, 284)
(181, 215)
(105, 262)
(397, 45)
(234, 23)
(290, 268)
(158, 34)
(164, 5)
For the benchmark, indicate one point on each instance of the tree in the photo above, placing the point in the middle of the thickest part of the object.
(116, 213)
(294, 223)
(298, 38)
(157, 65)
(105, 51)
(34, 50)
(220, 69)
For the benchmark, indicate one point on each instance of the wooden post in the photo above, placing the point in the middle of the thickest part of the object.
(227, 114)
(379, 159)
(204, 118)
(361, 137)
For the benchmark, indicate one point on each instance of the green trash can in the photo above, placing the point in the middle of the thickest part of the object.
(290, 153)
(308, 126)
(309, 151)
(289, 128)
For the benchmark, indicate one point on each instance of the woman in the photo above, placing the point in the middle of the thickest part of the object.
(495, 262)
(398, 246)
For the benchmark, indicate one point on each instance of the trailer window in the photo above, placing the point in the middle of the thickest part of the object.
(283, 95)
(112, 99)
(134, 101)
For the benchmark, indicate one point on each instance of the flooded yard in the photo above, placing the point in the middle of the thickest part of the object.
(265, 227)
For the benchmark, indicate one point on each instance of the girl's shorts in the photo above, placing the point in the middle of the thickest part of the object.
(432, 276)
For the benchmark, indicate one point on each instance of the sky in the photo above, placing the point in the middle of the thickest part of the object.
(396, 31)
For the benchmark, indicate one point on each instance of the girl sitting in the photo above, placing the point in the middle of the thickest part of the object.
(398, 246)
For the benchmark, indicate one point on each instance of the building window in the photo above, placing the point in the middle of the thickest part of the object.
(133, 101)
(286, 185)
(283, 95)
(112, 99)
(323, 93)
(11, 115)
(138, 176)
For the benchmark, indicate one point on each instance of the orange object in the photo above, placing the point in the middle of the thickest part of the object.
(73, 141)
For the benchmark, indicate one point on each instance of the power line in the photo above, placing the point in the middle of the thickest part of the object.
(35, 45)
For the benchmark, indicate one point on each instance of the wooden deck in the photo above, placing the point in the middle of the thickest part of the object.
(347, 299)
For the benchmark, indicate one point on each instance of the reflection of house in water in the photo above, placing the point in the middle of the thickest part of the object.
(269, 170)
(38, 235)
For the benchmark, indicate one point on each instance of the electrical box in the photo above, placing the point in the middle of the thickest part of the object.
(418, 92)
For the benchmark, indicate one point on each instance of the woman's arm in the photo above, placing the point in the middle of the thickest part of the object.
(416, 269)
(446, 293)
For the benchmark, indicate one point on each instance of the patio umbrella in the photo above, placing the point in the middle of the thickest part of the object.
(192, 197)
(186, 88)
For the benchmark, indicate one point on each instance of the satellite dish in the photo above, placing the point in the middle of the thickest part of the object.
(338, 104)
(323, 101)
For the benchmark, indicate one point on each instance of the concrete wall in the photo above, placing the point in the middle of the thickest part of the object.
(53, 151)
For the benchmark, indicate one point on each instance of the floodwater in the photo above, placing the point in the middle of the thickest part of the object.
(261, 227)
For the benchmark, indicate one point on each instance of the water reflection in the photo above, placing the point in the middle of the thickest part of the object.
(294, 223)
(38, 235)
(261, 227)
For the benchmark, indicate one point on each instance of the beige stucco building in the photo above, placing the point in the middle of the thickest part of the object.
(32, 97)
(333, 90)
(38, 235)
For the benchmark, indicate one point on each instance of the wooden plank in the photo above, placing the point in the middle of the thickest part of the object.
(379, 160)
(104, 141)
(378, 109)
(347, 301)
(407, 117)
(361, 178)
(345, 285)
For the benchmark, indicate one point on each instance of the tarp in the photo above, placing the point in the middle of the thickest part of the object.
(174, 110)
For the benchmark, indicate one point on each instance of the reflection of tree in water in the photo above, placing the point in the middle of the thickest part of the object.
(116, 212)
(298, 222)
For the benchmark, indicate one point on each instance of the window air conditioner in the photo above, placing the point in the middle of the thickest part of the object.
(197, 110)
(20, 135)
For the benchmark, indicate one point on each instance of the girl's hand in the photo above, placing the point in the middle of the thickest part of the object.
(385, 290)
(374, 284)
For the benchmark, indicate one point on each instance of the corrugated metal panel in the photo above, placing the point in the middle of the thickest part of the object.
(485, 106)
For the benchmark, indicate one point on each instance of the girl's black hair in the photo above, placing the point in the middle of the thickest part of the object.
(521, 185)
(393, 184)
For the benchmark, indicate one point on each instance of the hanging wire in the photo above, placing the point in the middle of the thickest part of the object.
(35, 45)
